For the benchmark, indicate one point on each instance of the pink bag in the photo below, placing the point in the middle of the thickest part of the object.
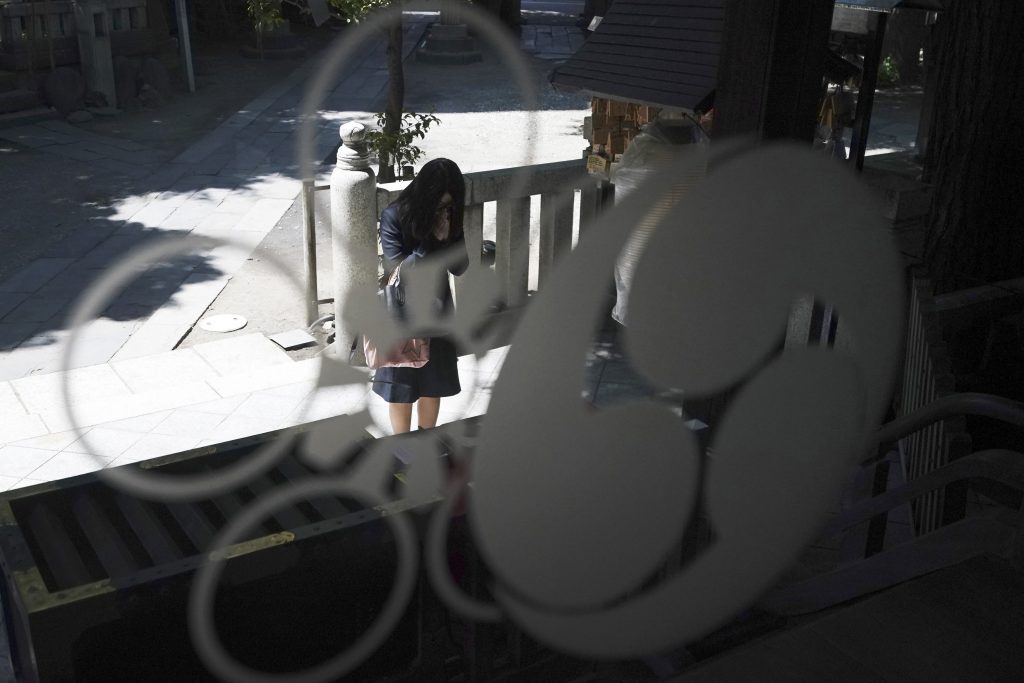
(411, 353)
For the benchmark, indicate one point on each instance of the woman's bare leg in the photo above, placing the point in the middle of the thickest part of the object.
(401, 417)
(427, 409)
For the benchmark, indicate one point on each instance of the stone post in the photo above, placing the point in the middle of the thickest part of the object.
(353, 229)
(92, 26)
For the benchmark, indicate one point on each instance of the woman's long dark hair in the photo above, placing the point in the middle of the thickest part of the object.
(417, 204)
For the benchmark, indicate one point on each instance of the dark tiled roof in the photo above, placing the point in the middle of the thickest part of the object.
(658, 52)
(890, 5)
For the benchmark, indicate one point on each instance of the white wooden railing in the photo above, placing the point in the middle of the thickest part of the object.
(557, 185)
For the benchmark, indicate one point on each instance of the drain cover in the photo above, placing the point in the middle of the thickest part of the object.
(295, 339)
(228, 322)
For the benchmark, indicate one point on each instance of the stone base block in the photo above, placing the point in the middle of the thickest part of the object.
(448, 44)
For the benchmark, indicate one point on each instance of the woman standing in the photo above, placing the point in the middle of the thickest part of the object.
(426, 218)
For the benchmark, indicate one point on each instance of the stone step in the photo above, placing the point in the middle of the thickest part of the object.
(122, 427)
(19, 100)
(27, 117)
(903, 198)
(123, 389)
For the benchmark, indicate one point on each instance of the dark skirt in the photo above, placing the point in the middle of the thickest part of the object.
(439, 377)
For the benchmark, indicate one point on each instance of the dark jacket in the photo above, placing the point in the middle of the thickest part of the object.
(407, 252)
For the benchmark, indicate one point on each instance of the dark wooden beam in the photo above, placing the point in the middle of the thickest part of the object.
(866, 96)
(771, 68)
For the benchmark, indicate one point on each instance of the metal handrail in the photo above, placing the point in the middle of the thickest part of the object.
(997, 464)
(954, 405)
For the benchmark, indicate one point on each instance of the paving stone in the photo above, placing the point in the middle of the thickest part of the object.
(163, 369)
(237, 427)
(104, 442)
(10, 300)
(122, 310)
(230, 257)
(154, 213)
(212, 166)
(17, 461)
(209, 190)
(142, 424)
(73, 151)
(10, 404)
(206, 145)
(13, 335)
(243, 353)
(299, 390)
(264, 215)
(190, 301)
(35, 136)
(169, 173)
(65, 465)
(188, 215)
(183, 422)
(127, 207)
(127, 169)
(18, 427)
(152, 338)
(268, 406)
(155, 445)
(85, 385)
(26, 482)
(276, 187)
(114, 248)
(78, 134)
(54, 442)
(99, 340)
(118, 408)
(107, 149)
(149, 293)
(238, 203)
(80, 116)
(32, 358)
(216, 224)
(39, 308)
(336, 400)
(81, 241)
(246, 158)
(35, 275)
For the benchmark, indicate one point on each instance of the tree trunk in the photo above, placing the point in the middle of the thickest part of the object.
(975, 157)
(396, 98)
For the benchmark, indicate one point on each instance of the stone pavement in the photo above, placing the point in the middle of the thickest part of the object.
(142, 408)
(235, 182)
(553, 42)
(135, 397)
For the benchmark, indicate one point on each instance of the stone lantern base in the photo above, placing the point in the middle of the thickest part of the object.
(448, 44)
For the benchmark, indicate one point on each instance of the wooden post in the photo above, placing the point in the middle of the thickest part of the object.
(866, 96)
(512, 237)
(185, 44)
(771, 66)
(555, 232)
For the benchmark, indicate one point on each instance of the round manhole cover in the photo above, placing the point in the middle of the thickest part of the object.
(223, 323)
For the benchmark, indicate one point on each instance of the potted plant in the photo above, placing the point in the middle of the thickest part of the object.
(397, 151)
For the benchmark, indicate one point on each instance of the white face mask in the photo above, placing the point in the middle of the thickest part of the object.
(443, 218)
